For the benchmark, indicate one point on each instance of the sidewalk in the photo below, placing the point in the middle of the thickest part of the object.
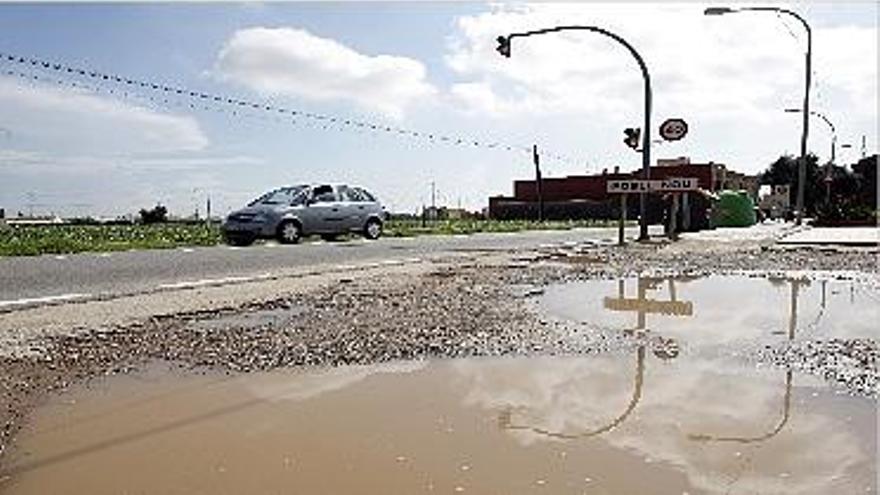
(843, 236)
(761, 232)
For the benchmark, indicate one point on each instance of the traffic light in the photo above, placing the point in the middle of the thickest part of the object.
(632, 137)
(503, 46)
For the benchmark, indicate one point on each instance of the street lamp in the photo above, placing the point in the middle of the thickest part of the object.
(828, 166)
(830, 125)
(503, 48)
(802, 166)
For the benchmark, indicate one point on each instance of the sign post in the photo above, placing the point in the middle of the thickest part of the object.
(673, 185)
(673, 218)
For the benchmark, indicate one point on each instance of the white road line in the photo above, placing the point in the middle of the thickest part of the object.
(36, 300)
(209, 281)
(233, 248)
(104, 255)
(187, 250)
(60, 257)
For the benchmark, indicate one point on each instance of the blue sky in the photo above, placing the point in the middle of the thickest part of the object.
(422, 66)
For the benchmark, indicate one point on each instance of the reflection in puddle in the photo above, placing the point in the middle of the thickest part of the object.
(602, 424)
(648, 419)
(722, 309)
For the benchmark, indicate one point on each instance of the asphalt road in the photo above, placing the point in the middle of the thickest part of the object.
(25, 280)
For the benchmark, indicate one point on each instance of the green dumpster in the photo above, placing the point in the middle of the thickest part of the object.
(733, 209)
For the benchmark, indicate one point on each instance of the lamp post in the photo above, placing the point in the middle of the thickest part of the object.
(802, 166)
(828, 166)
(504, 49)
(830, 126)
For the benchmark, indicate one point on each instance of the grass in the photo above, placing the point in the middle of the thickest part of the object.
(65, 239)
(61, 239)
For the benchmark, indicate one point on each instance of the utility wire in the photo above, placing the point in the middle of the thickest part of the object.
(223, 103)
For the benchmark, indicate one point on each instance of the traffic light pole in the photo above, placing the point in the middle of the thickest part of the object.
(504, 49)
(539, 182)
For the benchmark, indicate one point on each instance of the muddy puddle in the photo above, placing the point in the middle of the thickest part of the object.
(621, 424)
(630, 422)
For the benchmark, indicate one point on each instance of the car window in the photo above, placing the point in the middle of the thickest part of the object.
(323, 194)
(279, 196)
(299, 197)
(363, 195)
(347, 194)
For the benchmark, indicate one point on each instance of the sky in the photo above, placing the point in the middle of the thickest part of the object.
(72, 145)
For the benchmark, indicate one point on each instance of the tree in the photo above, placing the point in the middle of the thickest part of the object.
(157, 214)
(785, 171)
(866, 174)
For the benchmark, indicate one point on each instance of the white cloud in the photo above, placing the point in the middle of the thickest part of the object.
(71, 121)
(294, 62)
(814, 453)
(742, 65)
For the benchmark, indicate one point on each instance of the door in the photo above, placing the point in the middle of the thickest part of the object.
(353, 208)
(324, 213)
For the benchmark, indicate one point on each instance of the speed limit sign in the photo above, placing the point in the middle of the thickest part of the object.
(673, 129)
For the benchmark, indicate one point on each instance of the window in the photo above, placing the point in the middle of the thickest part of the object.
(285, 195)
(323, 194)
(347, 194)
(363, 195)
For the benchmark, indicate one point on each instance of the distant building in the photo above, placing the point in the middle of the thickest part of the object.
(585, 196)
(444, 213)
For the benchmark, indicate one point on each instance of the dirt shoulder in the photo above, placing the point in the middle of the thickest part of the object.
(455, 306)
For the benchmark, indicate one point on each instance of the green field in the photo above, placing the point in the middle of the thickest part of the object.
(63, 239)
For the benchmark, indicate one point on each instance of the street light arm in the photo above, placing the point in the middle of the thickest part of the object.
(817, 114)
(504, 49)
(595, 29)
(783, 11)
(799, 208)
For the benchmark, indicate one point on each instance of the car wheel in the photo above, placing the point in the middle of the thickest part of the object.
(240, 240)
(289, 232)
(373, 229)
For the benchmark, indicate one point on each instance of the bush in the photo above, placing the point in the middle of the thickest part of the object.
(158, 214)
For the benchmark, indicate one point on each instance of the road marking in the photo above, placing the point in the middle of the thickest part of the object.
(211, 281)
(271, 244)
(187, 250)
(60, 257)
(104, 255)
(36, 300)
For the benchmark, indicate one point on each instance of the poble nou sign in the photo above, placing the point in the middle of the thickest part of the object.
(672, 184)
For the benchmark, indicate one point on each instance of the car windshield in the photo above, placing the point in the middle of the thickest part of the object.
(285, 195)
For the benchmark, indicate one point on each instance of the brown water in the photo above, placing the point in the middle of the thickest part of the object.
(622, 423)
(602, 425)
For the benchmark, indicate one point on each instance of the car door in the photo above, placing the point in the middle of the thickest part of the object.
(352, 208)
(324, 214)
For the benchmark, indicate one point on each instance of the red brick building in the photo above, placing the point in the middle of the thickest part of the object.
(585, 196)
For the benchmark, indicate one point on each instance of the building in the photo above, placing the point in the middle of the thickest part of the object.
(585, 196)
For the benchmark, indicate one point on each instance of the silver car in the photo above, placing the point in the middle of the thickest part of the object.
(289, 213)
